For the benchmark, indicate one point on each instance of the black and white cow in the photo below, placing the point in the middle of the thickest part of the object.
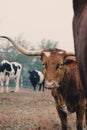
(36, 78)
(9, 71)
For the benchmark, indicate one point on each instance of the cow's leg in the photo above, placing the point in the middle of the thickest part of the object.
(2, 87)
(63, 118)
(7, 83)
(34, 87)
(62, 115)
(39, 87)
(80, 116)
(17, 84)
(43, 85)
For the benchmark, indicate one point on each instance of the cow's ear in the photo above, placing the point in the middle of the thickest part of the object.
(69, 60)
(42, 56)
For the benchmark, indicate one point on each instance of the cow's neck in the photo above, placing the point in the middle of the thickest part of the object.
(78, 6)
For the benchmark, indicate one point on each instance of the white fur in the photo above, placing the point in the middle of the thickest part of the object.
(47, 54)
(41, 76)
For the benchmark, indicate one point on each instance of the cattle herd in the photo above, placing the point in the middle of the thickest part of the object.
(64, 73)
(12, 71)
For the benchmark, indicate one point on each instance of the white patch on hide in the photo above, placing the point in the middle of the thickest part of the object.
(41, 76)
(47, 53)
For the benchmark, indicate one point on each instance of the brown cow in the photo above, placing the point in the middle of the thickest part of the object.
(80, 37)
(62, 75)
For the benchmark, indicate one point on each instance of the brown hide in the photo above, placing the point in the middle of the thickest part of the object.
(80, 37)
(61, 71)
(59, 100)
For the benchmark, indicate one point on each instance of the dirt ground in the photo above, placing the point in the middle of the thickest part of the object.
(30, 110)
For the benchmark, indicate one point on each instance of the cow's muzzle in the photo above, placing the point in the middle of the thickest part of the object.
(51, 84)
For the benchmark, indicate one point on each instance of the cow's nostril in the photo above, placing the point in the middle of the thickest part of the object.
(53, 83)
(49, 80)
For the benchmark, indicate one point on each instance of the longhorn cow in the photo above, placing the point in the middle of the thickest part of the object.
(61, 76)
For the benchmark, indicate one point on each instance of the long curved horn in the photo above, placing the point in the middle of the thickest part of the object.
(23, 50)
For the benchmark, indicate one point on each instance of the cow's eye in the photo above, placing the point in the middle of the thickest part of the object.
(60, 66)
(57, 66)
(44, 66)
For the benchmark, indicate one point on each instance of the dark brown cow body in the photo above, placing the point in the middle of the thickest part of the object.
(62, 76)
(80, 37)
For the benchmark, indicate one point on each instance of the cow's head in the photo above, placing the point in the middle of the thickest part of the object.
(54, 66)
(53, 61)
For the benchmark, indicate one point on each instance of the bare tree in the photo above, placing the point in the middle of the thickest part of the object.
(45, 44)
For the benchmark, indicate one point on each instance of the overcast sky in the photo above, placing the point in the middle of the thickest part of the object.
(38, 19)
